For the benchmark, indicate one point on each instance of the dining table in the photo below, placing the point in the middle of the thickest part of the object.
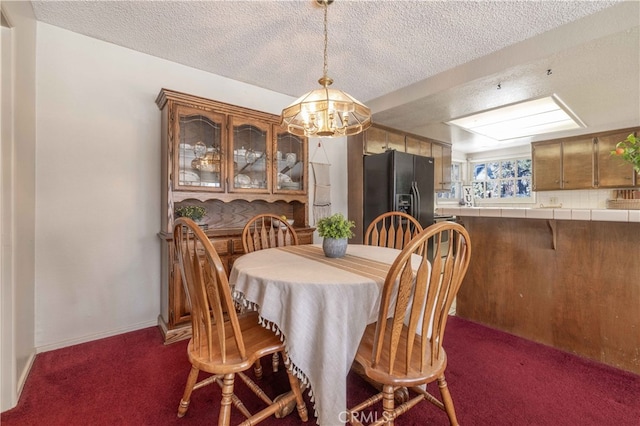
(320, 307)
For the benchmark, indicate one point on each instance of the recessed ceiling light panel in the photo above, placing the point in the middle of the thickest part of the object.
(529, 118)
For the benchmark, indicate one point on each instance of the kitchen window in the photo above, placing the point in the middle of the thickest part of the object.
(508, 179)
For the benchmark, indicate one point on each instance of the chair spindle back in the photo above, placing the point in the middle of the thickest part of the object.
(213, 316)
(392, 229)
(417, 295)
(265, 231)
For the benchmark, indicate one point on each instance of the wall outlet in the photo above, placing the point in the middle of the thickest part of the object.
(553, 201)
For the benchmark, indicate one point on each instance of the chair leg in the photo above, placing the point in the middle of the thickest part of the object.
(186, 397)
(275, 360)
(295, 388)
(227, 398)
(448, 402)
(257, 369)
(388, 404)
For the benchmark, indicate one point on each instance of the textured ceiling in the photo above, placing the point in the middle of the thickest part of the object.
(415, 63)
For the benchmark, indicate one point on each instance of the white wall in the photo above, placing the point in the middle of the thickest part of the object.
(17, 214)
(98, 181)
(336, 155)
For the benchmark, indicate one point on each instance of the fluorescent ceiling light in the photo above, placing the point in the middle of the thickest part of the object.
(528, 118)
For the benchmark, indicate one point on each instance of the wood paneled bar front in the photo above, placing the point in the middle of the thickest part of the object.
(570, 284)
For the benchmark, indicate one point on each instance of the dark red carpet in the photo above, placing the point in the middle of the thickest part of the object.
(495, 379)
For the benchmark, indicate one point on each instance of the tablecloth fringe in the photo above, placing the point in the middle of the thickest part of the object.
(290, 365)
(244, 304)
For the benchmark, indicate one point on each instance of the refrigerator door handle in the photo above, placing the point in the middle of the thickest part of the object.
(413, 200)
(415, 207)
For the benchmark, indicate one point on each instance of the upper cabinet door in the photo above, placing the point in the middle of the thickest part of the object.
(418, 147)
(289, 165)
(395, 141)
(441, 167)
(378, 140)
(375, 141)
(250, 143)
(578, 164)
(613, 171)
(547, 166)
(198, 150)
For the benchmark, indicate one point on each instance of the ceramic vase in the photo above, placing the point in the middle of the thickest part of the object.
(334, 247)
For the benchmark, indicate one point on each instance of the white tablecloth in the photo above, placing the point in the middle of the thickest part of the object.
(320, 308)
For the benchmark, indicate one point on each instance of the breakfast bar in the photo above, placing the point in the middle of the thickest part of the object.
(567, 278)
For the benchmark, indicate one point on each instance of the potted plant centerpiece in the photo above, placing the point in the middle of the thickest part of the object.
(629, 150)
(335, 231)
(195, 213)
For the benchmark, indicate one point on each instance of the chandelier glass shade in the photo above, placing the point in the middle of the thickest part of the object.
(326, 112)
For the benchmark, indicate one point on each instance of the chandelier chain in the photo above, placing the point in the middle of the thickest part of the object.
(326, 112)
(325, 69)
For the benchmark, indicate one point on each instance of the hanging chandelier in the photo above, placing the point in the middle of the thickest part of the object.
(326, 112)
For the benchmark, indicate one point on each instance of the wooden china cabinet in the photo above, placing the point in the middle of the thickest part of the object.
(234, 162)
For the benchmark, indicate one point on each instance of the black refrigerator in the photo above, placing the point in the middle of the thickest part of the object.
(397, 181)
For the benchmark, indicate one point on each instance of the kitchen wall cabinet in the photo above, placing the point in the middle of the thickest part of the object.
(380, 139)
(563, 164)
(441, 167)
(578, 165)
(582, 162)
(613, 172)
(547, 166)
(417, 146)
(234, 162)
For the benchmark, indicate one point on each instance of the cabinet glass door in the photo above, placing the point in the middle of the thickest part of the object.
(289, 162)
(197, 157)
(249, 142)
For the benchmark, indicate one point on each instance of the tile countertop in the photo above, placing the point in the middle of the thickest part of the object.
(603, 215)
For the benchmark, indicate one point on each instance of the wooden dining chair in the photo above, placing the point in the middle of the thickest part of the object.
(392, 229)
(224, 343)
(266, 231)
(404, 347)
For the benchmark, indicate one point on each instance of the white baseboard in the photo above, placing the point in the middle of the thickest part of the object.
(91, 337)
(25, 373)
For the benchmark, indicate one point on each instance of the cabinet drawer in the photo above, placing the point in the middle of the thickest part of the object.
(221, 246)
(236, 246)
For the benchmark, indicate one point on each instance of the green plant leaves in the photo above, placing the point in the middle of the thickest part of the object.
(629, 150)
(335, 226)
(194, 213)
